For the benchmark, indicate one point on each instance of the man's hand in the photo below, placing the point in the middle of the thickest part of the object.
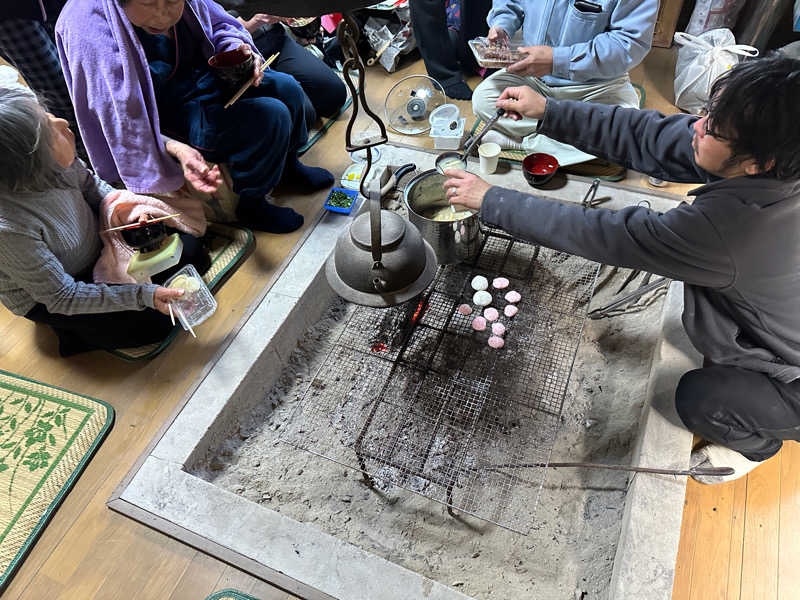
(465, 189)
(195, 170)
(538, 63)
(163, 296)
(257, 20)
(498, 35)
(522, 101)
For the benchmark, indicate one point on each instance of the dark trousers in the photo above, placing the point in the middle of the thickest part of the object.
(743, 410)
(445, 60)
(123, 329)
(325, 90)
(259, 135)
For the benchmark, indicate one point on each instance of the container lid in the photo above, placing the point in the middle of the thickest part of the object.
(197, 303)
(443, 115)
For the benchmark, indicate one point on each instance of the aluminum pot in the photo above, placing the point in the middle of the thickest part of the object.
(453, 241)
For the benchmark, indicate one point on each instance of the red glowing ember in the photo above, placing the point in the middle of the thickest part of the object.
(422, 307)
(379, 347)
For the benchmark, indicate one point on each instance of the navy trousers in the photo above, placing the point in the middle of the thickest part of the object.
(256, 137)
(325, 90)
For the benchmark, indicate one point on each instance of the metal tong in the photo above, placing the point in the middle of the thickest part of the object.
(693, 471)
(589, 200)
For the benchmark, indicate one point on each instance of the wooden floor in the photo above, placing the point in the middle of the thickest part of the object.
(737, 539)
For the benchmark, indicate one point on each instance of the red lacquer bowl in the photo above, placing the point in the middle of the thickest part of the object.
(539, 168)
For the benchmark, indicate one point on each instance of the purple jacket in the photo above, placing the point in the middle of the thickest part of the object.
(109, 82)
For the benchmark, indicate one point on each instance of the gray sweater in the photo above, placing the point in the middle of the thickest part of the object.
(47, 238)
(735, 246)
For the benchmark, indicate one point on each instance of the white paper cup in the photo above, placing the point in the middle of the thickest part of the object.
(488, 153)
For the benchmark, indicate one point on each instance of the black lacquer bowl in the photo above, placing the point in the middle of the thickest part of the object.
(145, 237)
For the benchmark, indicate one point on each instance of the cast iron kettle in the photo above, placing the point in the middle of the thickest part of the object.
(381, 260)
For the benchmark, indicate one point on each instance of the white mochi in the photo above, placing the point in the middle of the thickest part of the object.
(479, 282)
(482, 298)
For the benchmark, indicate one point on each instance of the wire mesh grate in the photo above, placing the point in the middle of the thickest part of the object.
(414, 397)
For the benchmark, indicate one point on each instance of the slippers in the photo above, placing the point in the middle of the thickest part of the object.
(715, 455)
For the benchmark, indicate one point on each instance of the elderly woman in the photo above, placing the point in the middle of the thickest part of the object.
(49, 239)
(138, 72)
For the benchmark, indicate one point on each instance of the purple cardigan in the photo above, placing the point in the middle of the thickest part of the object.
(109, 82)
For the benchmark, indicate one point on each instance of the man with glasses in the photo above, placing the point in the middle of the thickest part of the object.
(735, 247)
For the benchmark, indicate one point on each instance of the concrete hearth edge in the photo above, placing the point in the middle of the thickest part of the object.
(305, 561)
(644, 565)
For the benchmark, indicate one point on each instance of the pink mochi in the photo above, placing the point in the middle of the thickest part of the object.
(500, 283)
(491, 314)
(513, 297)
(465, 309)
(479, 324)
(496, 342)
(510, 310)
(498, 329)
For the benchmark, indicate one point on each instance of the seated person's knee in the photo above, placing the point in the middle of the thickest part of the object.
(694, 396)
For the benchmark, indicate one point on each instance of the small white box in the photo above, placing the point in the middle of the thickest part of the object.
(448, 139)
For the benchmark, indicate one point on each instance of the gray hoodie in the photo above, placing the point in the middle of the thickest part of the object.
(736, 246)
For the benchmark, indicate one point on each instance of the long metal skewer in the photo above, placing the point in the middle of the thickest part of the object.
(703, 471)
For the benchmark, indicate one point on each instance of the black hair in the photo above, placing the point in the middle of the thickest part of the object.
(755, 105)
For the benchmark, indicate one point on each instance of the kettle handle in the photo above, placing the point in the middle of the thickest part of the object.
(375, 222)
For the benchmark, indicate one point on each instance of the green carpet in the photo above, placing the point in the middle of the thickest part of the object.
(322, 126)
(230, 595)
(47, 437)
(229, 246)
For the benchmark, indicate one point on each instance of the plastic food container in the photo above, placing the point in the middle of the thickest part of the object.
(445, 138)
(442, 117)
(336, 200)
(494, 56)
(197, 303)
(351, 178)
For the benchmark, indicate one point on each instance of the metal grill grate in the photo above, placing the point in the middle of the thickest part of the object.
(413, 397)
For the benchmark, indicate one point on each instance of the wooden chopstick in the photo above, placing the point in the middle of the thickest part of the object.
(243, 89)
(145, 223)
(184, 322)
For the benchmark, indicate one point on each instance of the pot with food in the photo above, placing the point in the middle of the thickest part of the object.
(453, 232)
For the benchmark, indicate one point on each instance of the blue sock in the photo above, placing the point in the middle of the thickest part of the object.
(310, 178)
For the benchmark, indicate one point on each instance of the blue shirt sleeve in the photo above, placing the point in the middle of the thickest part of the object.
(506, 14)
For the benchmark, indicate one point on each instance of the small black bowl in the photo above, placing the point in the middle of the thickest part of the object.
(308, 31)
(146, 237)
(539, 168)
(233, 67)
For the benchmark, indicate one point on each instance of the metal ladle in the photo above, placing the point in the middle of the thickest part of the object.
(458, 160)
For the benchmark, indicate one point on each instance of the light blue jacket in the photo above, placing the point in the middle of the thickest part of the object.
(587, 47)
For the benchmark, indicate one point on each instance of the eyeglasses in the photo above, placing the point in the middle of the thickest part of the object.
(707, 130)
